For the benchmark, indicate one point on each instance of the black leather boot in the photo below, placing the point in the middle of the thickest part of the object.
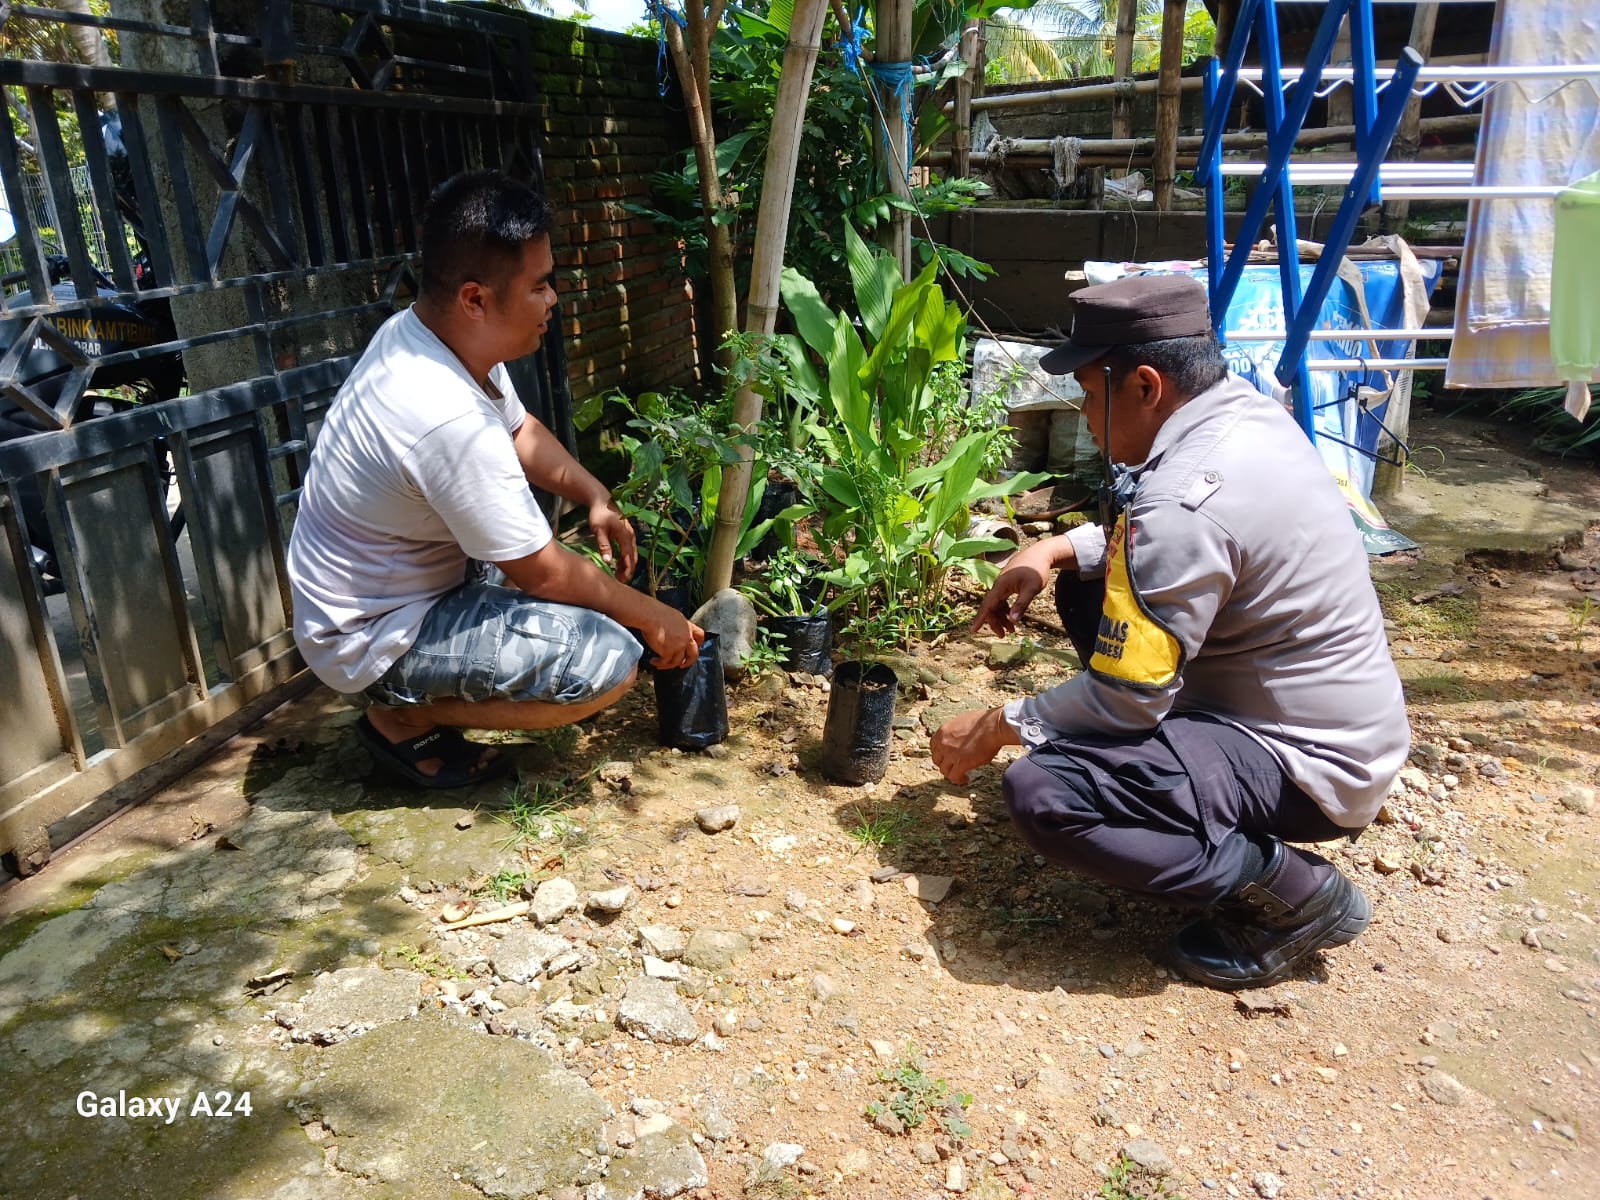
(1260, 935)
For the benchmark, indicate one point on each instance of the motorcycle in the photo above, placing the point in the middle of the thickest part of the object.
(109, 326)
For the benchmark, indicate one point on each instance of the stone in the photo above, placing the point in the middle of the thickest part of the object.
(955, 1176)
(1003, 656)
(1414, 779)
(512, 995)
(1148, 1157)
(730, 615)
(887, 1122)
(652, 1010)
(664, 1163)
(1056, 1084)
(610, 901)
(552, 900)
(1388, 863)
(660, 968)
(717, 818)
(352, 1001)
(1445, 1089)
(925, 1153)
(825, 987)
(523, 954)
(1578, 799)
(714, 950)
(1267, 1185)
(663, 941)
(929, 888)
(713, 1122)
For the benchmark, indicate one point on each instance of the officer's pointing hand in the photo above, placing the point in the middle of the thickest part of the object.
(1024, 577)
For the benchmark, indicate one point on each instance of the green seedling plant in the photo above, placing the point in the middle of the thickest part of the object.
(880, 829)
(538, 812)
(1123, 1182)
(914, 1096)
(1580, 615)
(766, 654)
(897, 475)
(428, 963)
(506, 883)
(786, 585)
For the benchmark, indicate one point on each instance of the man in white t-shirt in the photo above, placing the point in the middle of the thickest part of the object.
(424, 465)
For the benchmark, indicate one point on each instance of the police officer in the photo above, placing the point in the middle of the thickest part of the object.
(1238, 692)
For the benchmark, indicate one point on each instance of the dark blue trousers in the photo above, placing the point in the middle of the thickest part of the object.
(1168, 813)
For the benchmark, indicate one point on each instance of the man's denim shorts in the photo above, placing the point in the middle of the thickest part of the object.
(485, 642)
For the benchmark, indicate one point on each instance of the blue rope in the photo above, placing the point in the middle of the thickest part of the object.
(897, 77)
(662, 13)
(852, 39)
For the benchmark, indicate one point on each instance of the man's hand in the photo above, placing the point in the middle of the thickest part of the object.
(612, 529)
(967, 741)
(1024, 577)
(674, 638)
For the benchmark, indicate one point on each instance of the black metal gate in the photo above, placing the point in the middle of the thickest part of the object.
(266, 208)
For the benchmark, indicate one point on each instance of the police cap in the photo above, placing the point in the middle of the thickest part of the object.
(1125, 312)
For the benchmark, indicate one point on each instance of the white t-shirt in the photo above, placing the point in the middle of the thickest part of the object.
(413, 473)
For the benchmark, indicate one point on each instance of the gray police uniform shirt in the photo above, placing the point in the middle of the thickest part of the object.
(1237, 585)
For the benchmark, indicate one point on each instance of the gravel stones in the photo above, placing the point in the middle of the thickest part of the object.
(552, 900)
(1445, 1089)
(663, 941)
(1148, 1157)
(1267, 1185)
(930, 889)
(610, 901)
(717, 818)
(523, 954)
(714, 950)
(1578, 799)
(652, 1011)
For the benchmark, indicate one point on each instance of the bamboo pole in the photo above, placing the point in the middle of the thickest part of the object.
(1029, 149)
(1122, 67)
(1084, 92)
(766, 270)
(1408, 139)
(961, 136)
(1168, 97)
(893, 27)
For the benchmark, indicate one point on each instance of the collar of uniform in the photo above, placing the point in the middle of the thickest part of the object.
(1195, 413)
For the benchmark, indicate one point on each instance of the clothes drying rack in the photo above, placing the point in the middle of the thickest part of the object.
(1380, 98)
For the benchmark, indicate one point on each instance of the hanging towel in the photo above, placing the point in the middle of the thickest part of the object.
(1575, 291)
(1535, 133)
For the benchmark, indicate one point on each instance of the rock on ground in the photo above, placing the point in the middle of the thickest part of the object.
(352, 1001)
(713, 950)
(554, 899)
(730, 615)
(523, 954)
(651, 1009)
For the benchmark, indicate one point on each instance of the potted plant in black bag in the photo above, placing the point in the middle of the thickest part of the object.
(788, 593)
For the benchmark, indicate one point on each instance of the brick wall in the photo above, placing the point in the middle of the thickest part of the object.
(626, 303)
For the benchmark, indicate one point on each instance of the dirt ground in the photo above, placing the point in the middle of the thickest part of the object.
(1452, 1051)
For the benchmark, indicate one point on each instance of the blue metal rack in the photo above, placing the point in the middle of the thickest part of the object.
(1376, 121)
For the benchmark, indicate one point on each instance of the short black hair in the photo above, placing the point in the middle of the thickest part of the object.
(1191, 364)
(474, 229)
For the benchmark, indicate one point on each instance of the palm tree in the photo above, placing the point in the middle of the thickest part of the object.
(1068, 39)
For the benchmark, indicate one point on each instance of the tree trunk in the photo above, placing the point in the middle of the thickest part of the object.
(766, 269)
(692, 58)
(961, 135)
(90, 43)
(1169, 94)
(1122, 67)
(894, 46)
(1408, 140)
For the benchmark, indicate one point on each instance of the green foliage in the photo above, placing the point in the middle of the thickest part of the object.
(1076, 39)
(896, 463)
(1122, 1183)
(1580, 615)
(505, 883)
(766, 654)
(428, 963)
(881, 828)
(538, 813)
(835, 180)
(786, 585)
(914, 1096)
(1555, 432)
(676, 449)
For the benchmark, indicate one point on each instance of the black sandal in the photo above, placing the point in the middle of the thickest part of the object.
(458, 756)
